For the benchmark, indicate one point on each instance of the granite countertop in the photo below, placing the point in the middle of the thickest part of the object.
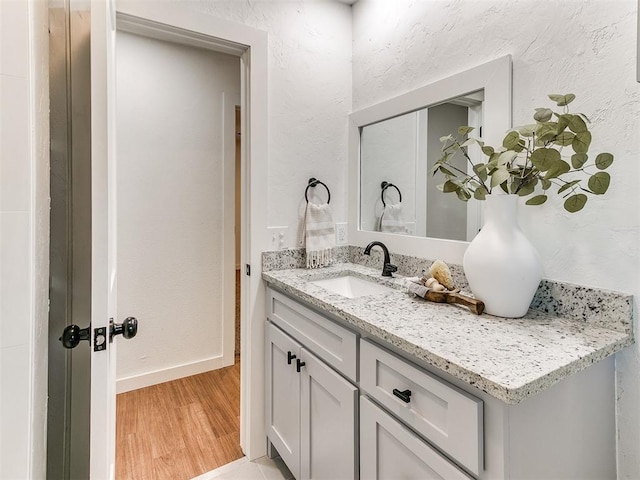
(510, 359)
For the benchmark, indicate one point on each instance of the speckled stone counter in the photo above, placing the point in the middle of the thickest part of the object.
(570, 328)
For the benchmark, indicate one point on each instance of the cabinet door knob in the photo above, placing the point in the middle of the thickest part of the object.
(405, 396)
(299, 365)
(290, 356)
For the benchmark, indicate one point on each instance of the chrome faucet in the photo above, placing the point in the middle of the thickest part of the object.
(387, 268)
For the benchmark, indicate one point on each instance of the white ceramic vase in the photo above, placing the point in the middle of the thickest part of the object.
(502, 267)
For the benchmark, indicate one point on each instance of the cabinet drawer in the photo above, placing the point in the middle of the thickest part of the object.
(390, 450)
(448, 417)
(333, 343)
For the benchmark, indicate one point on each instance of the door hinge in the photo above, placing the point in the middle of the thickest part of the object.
(248, 270)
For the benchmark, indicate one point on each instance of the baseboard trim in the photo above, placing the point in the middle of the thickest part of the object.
(134, 382)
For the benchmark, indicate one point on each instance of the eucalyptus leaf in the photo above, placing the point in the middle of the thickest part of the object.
(568, 185)
(500, 175)
(581, 142)
(604, 160)
(449, 186)
(463, 194)
(575, 202)
(446, 171)
(578, 160)
(543, 114)
(557, 169)
(562, 100)
(527, 187)
(584, 117)
(446, 138)
(537, 200)
(465, 130)
(480, 193)
(469, 141)
(546, 184)
(563, 122)
(565, 139)
(511, 140)
(493, 160)
(481, 170)
(506, 157)
(599, 182)
(546, 131)
(527, 130)
(577, 124)
(544, 158)
(435, 168)
(487, 150)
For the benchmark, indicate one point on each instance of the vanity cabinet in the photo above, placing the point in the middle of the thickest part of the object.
(362, 408)
(311, 409)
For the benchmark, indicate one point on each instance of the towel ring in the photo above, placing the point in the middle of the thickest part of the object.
(384, 186)
(313, 182)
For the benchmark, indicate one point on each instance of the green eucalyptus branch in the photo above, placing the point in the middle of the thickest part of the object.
(531, 160)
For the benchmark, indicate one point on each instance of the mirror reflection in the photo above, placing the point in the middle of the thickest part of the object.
(396, 193)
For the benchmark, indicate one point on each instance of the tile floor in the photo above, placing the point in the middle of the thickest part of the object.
(262, 468)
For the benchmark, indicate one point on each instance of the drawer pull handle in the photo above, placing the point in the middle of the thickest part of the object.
(299, 365)
(404, 396)
(290, 356)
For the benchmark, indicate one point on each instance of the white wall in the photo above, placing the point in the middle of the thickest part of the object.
(176, 142)
(24, 231)
(309, 98)
(586, 47)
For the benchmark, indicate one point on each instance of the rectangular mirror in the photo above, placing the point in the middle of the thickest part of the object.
(399, 140)
(396, 193)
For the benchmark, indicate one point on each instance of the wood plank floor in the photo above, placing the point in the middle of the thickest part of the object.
(180, 429)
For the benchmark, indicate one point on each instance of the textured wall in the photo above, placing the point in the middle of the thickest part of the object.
(586, 47)
(309, 97)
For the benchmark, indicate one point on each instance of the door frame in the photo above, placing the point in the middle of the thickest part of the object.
(176, 23)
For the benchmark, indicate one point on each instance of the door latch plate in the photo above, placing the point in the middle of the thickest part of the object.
(99, 339)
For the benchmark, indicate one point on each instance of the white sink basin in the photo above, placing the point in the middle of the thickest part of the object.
(352, 287)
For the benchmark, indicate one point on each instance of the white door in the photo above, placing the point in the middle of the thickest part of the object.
(103, 275)
(283, 396)
(327, 425)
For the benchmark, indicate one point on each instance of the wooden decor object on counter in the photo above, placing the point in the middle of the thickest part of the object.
(475, 305)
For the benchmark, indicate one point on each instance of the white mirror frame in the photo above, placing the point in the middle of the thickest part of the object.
(495, 79)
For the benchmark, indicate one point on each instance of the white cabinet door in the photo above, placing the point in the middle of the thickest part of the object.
(283, 396)
(388, 450)
(328, 423)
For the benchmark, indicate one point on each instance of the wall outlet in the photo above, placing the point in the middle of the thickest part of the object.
(278, 237)
(341, 234)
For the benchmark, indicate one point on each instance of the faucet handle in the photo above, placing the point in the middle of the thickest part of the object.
(388, 269)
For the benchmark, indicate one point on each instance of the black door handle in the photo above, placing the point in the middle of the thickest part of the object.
(73, 335)
(405, 395)
(128, 328)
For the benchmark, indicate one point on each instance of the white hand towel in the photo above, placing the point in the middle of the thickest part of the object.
(391, 220)
(319, 235)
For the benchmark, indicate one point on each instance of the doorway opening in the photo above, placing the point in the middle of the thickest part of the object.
(176, 215)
